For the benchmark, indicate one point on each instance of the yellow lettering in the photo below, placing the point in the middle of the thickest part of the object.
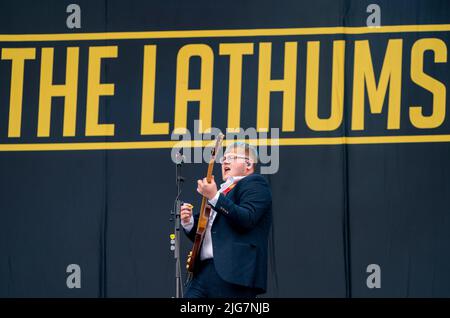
(17, 57)
(312, 87)
(202, 94)
(95, 90)
(287, 85)
(148, 125)
(48, 90)
(434, 86)
(236, 51)
(391, 74)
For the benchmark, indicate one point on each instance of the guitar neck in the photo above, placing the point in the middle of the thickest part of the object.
(208, 178)
(204, 212)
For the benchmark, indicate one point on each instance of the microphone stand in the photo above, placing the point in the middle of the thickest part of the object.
(175, 237)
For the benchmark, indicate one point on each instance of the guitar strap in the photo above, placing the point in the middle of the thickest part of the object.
(229, 188)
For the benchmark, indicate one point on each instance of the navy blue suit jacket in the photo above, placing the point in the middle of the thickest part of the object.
(240, 233)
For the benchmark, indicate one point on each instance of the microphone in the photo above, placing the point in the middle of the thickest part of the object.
(179, 158)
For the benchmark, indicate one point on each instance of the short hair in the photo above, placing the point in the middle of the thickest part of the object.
(250, 151)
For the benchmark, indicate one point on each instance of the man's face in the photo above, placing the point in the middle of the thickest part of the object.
(235, 164)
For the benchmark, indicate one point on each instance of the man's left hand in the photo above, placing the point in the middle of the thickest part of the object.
(206, 189)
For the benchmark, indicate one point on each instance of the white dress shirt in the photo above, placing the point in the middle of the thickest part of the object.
(207, 248)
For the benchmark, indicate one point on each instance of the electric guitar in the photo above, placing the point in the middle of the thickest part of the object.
(203, 218)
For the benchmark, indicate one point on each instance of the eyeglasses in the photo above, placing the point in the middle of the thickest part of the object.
(231, 158)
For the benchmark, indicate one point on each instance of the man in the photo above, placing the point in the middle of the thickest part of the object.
(233, 256)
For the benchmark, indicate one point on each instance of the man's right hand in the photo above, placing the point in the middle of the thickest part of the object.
(186, 213)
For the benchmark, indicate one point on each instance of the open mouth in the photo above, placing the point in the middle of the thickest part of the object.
(226, 169)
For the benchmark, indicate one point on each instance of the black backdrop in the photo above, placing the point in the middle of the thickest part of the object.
(337, 208)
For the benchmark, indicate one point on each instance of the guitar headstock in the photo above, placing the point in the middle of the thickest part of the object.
(215, 150)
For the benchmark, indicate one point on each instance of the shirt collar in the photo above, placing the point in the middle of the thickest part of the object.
(231, 180)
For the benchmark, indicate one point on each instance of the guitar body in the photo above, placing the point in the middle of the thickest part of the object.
(205, 211)
(194, 255)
